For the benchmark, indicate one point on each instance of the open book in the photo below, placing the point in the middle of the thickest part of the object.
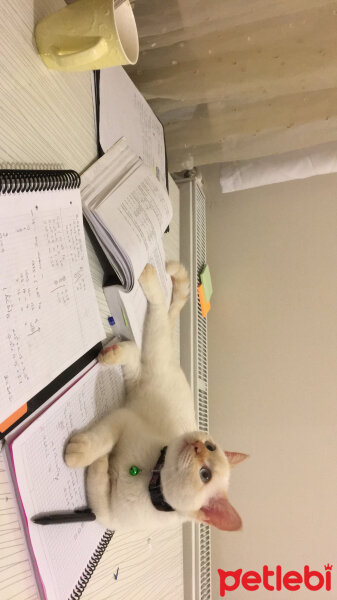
(128, 210)
(63, 556)
(121, 110)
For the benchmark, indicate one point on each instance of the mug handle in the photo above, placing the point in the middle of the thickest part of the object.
(82, 57)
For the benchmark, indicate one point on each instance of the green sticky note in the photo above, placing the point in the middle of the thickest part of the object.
(206, 281)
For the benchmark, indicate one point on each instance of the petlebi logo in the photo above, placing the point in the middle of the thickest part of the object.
(275, 579)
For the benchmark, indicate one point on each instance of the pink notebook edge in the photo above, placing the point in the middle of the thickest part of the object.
(16, 488)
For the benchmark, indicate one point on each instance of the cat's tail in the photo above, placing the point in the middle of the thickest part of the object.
(180, 290)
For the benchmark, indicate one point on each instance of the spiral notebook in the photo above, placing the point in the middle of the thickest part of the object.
(63, 557)
(49, 315)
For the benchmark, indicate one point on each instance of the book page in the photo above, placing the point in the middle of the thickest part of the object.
(46, 484)
(137, 214)
(124, 112)
(48, 311)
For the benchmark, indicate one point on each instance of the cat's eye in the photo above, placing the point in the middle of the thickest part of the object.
(205, 474)
(210, 446)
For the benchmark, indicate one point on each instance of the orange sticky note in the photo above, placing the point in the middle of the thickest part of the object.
(205, 306)
(15, 416)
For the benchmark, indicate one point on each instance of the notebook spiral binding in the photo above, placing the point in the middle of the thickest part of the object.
(91, 566)
(27, 180)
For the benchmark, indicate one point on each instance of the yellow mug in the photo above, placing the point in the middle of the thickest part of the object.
(88, 34)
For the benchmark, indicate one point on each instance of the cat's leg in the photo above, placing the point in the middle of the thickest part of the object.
(180, 290)
(157, 346)
(160, 322)
(99, 489)
(127, 355)
(85, 447)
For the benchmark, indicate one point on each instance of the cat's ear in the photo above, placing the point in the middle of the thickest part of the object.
(234, 458)
(220, 513)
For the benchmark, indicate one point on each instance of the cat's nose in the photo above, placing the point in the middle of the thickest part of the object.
(198, 446)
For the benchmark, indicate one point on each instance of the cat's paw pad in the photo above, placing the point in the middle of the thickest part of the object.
(78, 451)
(111, 355)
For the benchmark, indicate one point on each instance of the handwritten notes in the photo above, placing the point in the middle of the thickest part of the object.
(125, 112)
(46, 484)
(48, 312)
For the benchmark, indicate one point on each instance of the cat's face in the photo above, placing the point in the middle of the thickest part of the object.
(195, 479)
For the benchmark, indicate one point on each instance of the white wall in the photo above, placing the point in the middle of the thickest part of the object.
(273, 372)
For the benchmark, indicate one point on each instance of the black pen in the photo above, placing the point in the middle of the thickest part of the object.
(65, 517)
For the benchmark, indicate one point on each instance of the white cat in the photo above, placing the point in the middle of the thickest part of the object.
(148, 466)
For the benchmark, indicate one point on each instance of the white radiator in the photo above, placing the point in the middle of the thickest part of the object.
(193, 358)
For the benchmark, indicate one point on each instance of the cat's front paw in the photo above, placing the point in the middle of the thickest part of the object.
(150, 284)
(78, 451)
(118, 354)
(110, 355)
(148, 275)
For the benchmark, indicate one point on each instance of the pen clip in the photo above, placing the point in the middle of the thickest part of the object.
(86, 511)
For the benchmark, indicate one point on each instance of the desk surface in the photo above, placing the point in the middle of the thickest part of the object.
(47, 120)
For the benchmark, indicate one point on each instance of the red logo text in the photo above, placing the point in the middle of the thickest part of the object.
(275, 579)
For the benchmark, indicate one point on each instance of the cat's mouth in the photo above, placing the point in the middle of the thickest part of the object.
(184, 446)
(183, 450)
(194, 443)
(192, 449)
(187, 449)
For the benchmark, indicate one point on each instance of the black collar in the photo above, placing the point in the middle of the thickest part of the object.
(156, 494)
